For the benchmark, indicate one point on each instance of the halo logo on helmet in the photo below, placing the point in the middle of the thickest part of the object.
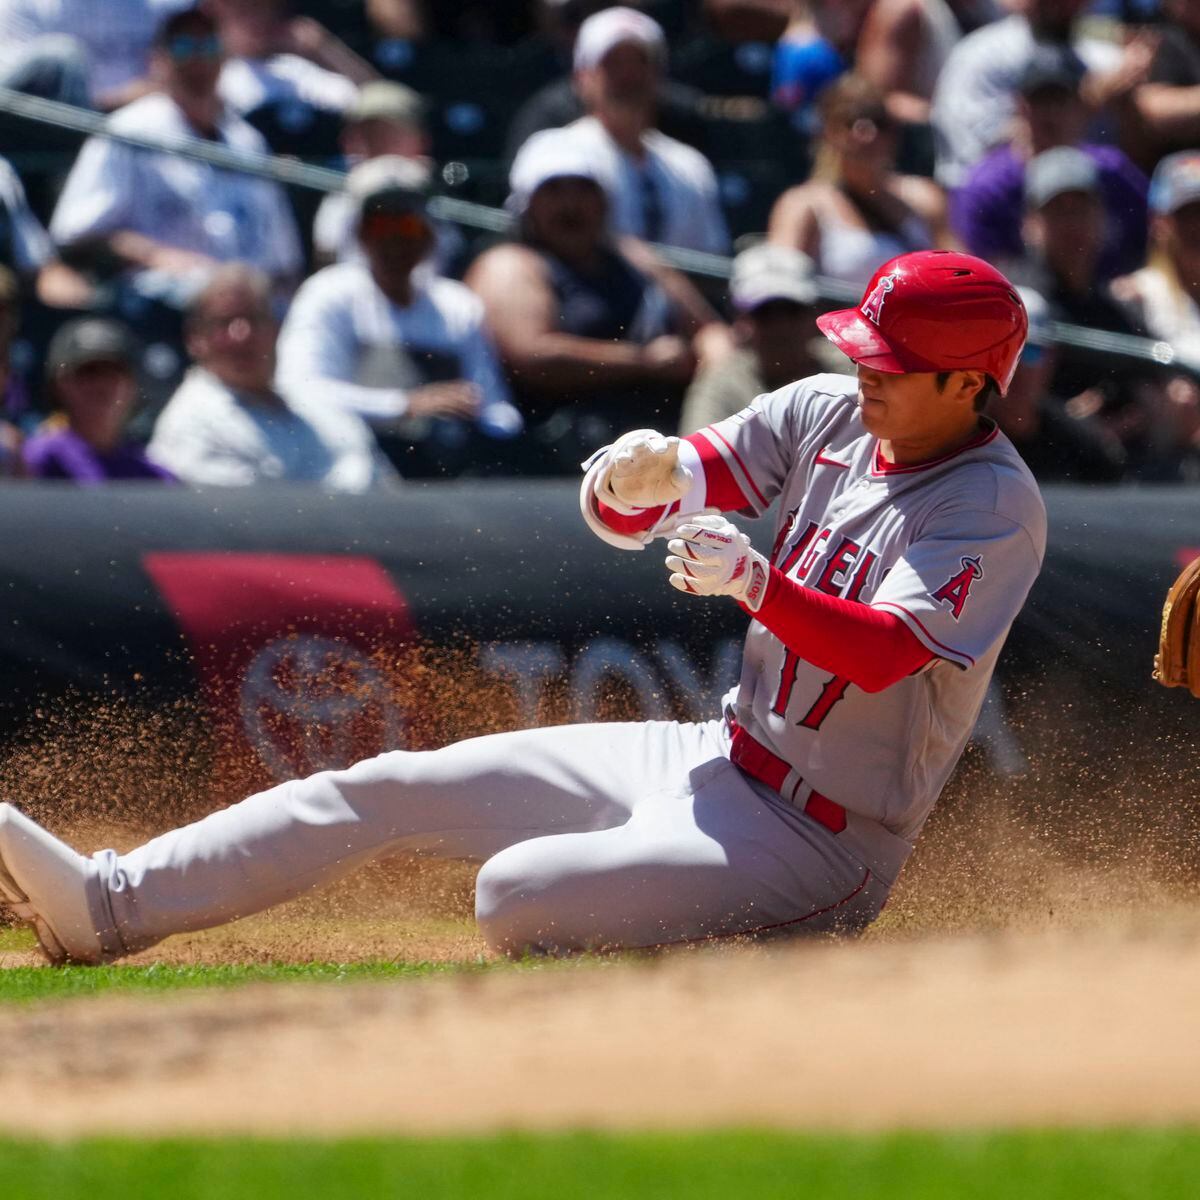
(872, 306)
(931, 311)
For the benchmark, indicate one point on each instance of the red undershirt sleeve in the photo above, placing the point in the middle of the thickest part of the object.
(871, 648)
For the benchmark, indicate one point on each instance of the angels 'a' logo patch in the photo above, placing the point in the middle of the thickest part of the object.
(954, 592)
(872, 306)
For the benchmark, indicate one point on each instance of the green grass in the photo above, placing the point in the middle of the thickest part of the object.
(1071, 1165)
(49, 983)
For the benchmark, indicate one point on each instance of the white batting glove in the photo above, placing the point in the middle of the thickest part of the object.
(642, 470)
(710, 556)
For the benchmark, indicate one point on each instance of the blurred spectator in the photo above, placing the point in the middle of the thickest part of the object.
(1164, 108)
(662, 190)
(292, 64)
(594, 332)
(228, 425)
(91, 374)
(974, 101)
(168, 220)
(988, 209)
(1055, 442)
(386, 119)
(902, 48)
(1164, 297)
(82, 52)
(816, 47)
(856, 211)
(388, 339)
(774, 296)
(14, 394)
(26, 249)
(1064, 231)
(452, 20)
(679, 110)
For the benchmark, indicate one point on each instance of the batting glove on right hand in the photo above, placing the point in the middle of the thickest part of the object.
(642, 470)
(710, 556)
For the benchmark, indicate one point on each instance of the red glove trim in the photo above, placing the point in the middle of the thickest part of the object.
(871, 648)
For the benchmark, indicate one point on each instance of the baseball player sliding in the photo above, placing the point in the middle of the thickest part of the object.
(908, 536)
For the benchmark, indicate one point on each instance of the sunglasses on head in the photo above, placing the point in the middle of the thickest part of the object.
(184, 47)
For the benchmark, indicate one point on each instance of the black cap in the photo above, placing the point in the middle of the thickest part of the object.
(90, 339)
(183, 20)
(1056, 68)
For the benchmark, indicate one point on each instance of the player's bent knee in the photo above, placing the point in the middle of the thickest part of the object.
(512, 915)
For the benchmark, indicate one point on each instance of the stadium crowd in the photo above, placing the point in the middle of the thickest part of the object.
(165, 318)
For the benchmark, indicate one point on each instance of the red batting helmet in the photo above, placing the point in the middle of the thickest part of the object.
(934, 310)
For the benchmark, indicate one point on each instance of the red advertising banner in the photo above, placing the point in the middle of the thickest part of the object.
(294, 652)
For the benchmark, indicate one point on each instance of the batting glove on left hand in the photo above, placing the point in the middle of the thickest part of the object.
(710, 556)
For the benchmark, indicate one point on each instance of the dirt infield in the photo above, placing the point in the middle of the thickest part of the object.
(1037, 995)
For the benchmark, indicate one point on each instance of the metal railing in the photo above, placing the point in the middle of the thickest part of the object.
(292, 172)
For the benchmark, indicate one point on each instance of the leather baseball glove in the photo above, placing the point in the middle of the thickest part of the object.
(1177, 663)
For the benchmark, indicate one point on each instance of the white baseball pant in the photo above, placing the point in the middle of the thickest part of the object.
(593, 836)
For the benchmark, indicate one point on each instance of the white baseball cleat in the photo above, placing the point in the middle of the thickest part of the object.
(43, 883)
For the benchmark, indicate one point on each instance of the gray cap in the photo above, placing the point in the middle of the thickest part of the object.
(390, 183)
(1063, 169)
(87, 340)
(383, 100)
(1176, 182)
(765, 272)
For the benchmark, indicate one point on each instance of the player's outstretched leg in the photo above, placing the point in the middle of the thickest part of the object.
(44, 882)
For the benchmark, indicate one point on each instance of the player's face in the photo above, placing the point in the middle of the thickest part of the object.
(917, 419)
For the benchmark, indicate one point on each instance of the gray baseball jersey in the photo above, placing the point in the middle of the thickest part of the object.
(642, 833)
(951, 547)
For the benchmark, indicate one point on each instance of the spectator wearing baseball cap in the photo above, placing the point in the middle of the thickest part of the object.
(773, 295)
(1164, 298)
(661, 190)
(91, 375)
(1165, 293)
(595, 333)
(169, 221)
(386, 119)
(679, 110)
(986, 212)
(1064, 238)
(389, 339)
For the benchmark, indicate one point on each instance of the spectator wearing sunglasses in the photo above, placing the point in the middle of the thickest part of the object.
(83, 52)
(164, 220)
(857, 210)
(391, 340)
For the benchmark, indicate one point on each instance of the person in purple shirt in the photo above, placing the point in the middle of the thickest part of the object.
(987, 211)
(91, 374)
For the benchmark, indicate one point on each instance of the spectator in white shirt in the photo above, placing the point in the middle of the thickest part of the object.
(663, 190)
(228, 425)
(399, 345)
(168, 220)
(84, 52)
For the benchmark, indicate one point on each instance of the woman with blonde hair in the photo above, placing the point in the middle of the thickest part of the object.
(857, 210)
(1164, 298)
